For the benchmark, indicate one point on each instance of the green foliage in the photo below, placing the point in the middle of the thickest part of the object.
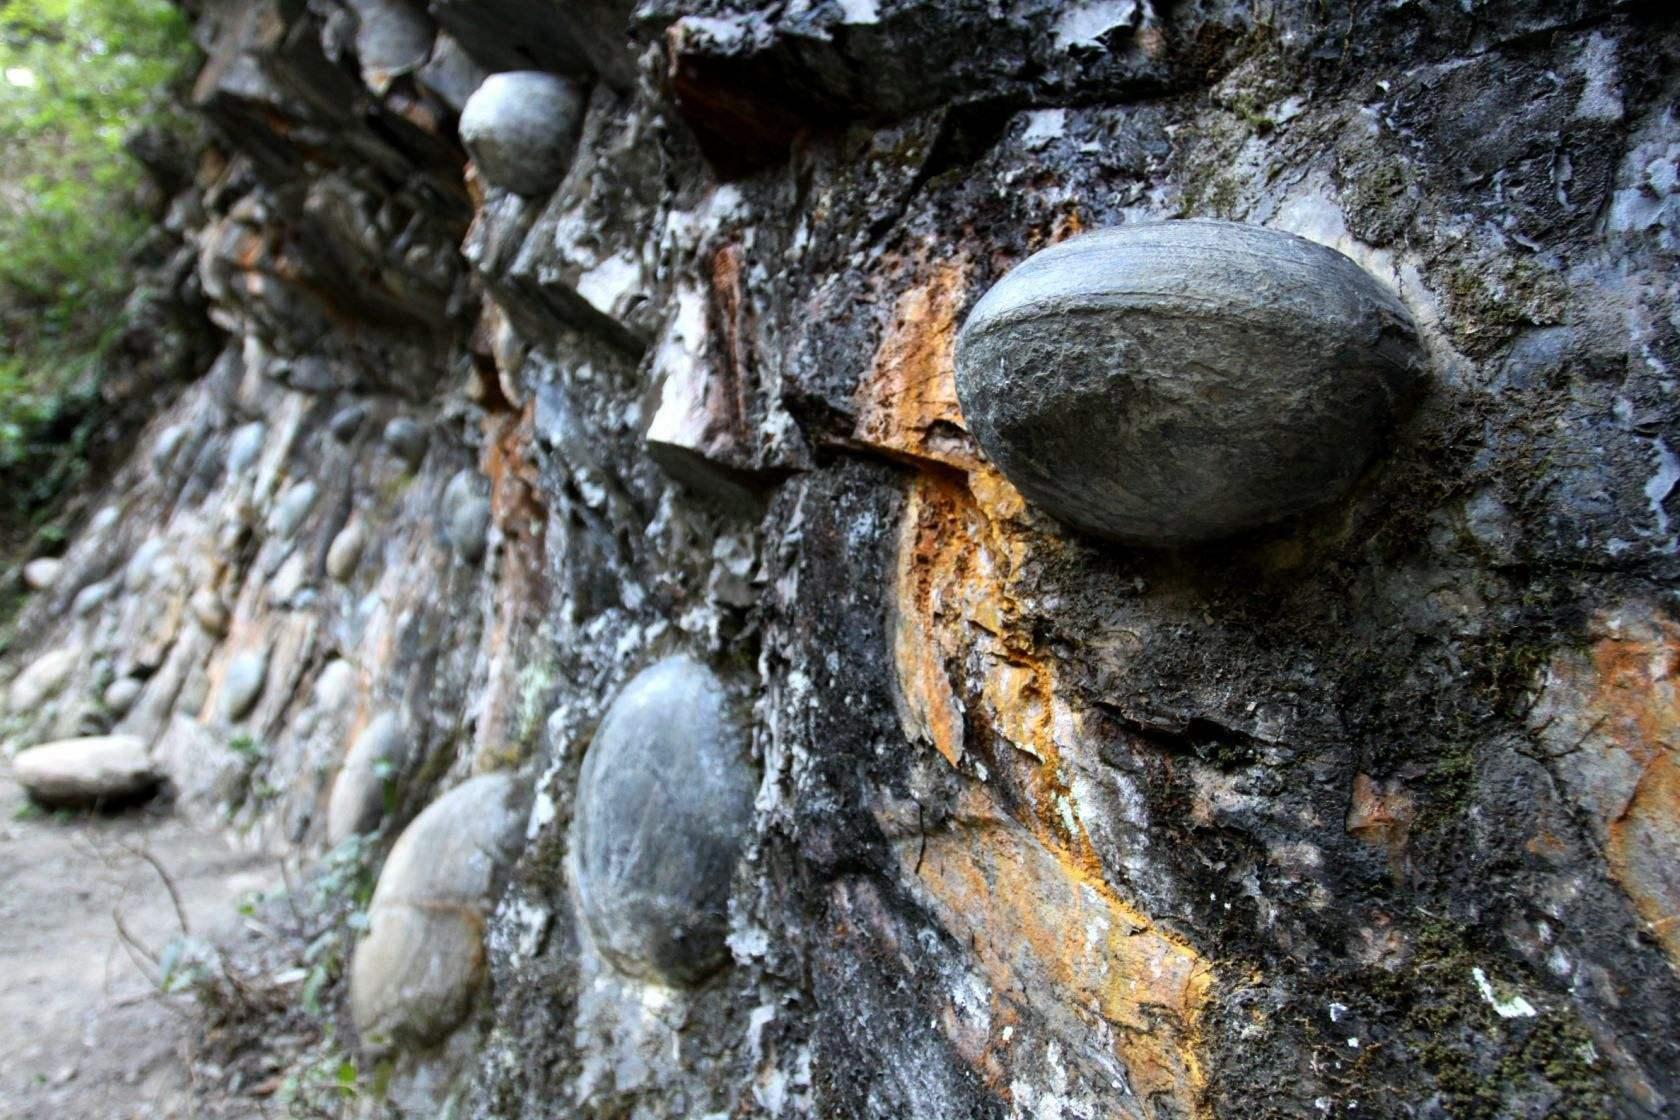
(76, 77)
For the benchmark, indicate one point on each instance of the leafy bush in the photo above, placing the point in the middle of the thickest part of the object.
(76, 78)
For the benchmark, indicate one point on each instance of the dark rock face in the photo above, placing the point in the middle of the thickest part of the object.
(1046, 826)
(663, 806)
(1171, 383)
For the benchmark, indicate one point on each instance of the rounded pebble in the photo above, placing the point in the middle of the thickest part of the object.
(520, 128)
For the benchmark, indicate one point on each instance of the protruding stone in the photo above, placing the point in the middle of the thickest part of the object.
(1177, 382)
(243, 683)
(345, 552)
(392, 38)
(86, 771)
(120, 695)
(40, 574)
(466, 516)
(469, 529)
(406, 440)
(358, 795)
(168, 446)
(91, 598)
(347, 421)
(245, 446)
(209, 611)
(138, 571)
(294, 505)
(42, 679)
(664, 802)
(414, 977)
(520, 128)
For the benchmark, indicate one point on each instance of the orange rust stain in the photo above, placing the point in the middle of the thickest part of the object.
(520, 515)
(1381, 814)
(908, 403)
(1061, 945)
(1020, 891)
(1611, 715)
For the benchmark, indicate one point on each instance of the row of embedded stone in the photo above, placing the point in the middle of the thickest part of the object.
(663, 805)
(136, 659)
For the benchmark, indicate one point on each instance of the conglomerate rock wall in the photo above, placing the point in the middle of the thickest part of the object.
(1373, 812)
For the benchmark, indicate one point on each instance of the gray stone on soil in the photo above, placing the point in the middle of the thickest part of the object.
(245, 446)
(42, 679)
(243, 683)
(520, 128)
(664, 802)
(416, 973)
(294, 505)
(345, 552)
(358, 794)
(40, 574)
(120, 695)
(406, 440)
(1176, 382)
(86, 771)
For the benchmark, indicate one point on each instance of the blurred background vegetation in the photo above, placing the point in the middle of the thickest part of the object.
(77, 77)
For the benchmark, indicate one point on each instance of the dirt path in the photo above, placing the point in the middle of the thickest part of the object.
(83, 1033)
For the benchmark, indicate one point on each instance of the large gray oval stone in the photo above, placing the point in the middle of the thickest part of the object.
(1177, 382)
(664, 803)
(520, 128)
(416, 973)
(86, 771)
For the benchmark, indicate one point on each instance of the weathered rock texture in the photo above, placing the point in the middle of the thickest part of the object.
(1371, 812)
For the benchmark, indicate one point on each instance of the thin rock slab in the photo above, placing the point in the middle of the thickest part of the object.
(89, 771)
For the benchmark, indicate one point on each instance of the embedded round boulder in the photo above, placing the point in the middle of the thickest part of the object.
(416, 972)
(520, 127)
(243, 683)
(42, 679)
(1177, 382)
(102, 768)
(358, 795)
(663, 805)
(42, 573)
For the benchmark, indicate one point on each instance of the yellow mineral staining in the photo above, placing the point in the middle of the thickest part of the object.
(1016, 878)
(1610, 718)
(1030, 918)
(908, 405)
(517, 509)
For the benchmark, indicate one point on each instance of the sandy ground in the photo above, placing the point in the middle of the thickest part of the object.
(83, 1033)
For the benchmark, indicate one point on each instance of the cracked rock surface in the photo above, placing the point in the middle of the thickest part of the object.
(1367, 806)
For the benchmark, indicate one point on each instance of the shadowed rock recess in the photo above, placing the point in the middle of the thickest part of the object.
(1360, 800)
